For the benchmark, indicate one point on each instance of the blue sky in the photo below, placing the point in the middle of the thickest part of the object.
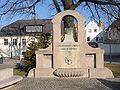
(43, 11)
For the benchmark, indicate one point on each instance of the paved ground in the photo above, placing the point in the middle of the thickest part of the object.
(8, 63)
(67, 84)
(3, 66)
(63, 83)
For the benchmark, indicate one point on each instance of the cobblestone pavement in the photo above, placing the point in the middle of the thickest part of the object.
(67, 84)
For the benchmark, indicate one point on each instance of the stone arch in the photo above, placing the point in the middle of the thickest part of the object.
(69, 25)
(57, 24)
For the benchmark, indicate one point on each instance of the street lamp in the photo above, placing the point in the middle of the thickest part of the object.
(11, 47)
(110, 50)
(109, 37)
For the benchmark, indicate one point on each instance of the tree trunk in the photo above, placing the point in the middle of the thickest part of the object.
(68, 4)
(68, 21)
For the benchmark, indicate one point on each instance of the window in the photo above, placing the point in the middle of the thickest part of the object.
(95, 30)
(5, 41)
(89, 31)
(118, 32)
(23, 41)
(96, 39)
(14, 41)
(101, 38)
(34, 28)
(113, 32)
(88, 38)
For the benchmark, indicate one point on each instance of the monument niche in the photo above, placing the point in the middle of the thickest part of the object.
(69, 55)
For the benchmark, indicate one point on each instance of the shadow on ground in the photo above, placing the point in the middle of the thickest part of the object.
(114, 85)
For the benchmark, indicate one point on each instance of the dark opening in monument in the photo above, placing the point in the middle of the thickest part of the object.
(69, 26)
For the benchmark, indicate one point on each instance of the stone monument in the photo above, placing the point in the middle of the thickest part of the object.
(69, 55)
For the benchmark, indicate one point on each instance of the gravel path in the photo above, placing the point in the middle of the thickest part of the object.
(67, 84)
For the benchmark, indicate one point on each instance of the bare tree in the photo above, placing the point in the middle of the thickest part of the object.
(109, 8)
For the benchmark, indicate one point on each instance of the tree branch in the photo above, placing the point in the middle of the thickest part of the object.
(107, 2)
(90, 9)
(97, 11)
(68, 4)
(107, 12)
(57, 6)
(13, 7)
(5, 4)
(78, 3)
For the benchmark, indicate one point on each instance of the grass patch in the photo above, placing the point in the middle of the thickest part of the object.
(18, 72)
(115, 68)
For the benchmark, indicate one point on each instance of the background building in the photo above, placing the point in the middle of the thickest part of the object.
(14, 38)
(109, 39)
(94, 32)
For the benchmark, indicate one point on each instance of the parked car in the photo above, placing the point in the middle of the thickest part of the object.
(1, 59)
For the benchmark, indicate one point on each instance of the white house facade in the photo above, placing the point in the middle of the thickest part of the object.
(113, 39)
(108, 40)
(14, 38)
(94, 33)
(12, 46)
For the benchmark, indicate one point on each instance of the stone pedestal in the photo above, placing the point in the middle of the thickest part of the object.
(101, 73)
(70, 57)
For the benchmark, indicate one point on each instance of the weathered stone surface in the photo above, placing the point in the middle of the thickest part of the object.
(10, 81)
(70, 72)
(68, 53)
(7, 78)
(41, 72)
(101, 73)
(6, 73)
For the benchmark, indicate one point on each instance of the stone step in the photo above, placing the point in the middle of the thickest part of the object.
(9, 81)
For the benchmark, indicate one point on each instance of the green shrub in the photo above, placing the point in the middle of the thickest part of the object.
(19, 72)
(29, 62)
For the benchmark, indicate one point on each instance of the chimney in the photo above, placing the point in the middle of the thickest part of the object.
(101, 24)
(33, 17)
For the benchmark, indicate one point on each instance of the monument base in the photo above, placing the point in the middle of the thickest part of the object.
(72, 56)
(100, 73)
(71, 72)
(41, 72)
